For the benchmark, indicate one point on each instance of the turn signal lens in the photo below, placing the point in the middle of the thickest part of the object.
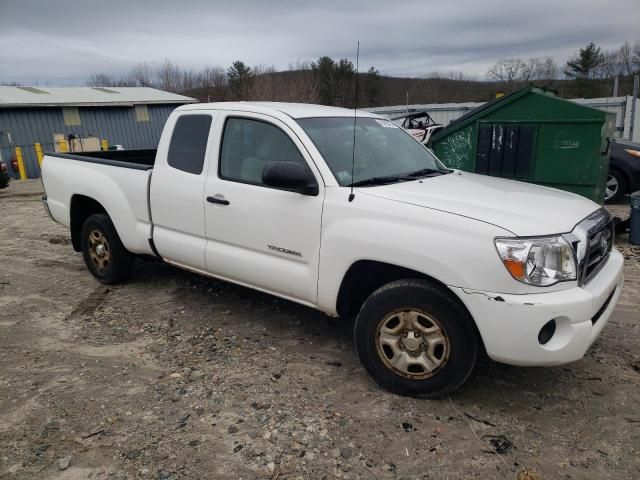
(633, 153)
(515, 267)
(539, 261)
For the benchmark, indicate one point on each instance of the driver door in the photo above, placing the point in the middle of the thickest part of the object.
(257, 235)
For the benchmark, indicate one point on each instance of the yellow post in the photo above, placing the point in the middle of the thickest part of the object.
(63, 146)
(38, 153)
(21, 169)
(104, 144)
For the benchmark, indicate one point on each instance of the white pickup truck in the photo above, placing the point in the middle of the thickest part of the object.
(437, 265)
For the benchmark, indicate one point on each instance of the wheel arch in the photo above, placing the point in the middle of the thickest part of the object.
(81, 208)
(363, 277)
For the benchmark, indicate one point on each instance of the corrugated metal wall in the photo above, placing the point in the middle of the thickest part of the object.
(440, 112)
(22, 127)
(446, 112)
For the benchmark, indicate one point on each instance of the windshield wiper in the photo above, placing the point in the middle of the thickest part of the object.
(379, 181)
(422, 173)
(425, 172)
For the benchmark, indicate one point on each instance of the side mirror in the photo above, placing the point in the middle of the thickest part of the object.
(290, 176)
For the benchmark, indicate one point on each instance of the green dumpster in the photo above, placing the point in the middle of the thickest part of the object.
(533, 136)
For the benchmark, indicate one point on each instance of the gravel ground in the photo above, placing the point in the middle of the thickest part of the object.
(173, 375)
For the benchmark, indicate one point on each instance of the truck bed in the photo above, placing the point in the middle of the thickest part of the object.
(137, 159)
(118, 180)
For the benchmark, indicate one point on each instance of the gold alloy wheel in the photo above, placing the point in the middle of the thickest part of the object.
(99, 250)
(412, 344)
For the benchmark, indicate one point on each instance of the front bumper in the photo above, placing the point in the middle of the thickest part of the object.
(509, 324)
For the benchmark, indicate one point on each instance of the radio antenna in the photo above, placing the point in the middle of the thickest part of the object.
(355, 117)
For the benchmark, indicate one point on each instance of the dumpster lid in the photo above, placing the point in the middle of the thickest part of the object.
(488, 107)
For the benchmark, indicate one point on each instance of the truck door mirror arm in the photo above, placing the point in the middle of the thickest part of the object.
(290, 176)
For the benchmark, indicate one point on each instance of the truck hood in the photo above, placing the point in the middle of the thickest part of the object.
(522, 208)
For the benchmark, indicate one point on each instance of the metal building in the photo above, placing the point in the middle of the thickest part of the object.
(79, 118)
(627, 112)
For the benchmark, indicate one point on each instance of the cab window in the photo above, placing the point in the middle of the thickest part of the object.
(189, 143)
(248, 145)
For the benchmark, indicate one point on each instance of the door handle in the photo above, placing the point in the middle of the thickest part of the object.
(218, 199)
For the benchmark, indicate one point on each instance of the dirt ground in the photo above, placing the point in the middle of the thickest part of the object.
(174, 375)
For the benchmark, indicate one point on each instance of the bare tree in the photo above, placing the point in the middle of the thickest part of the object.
(295, 85)
(625, 57)
(263, 85)
(539, 69)
(635, 57)
(141, 75)
(611, 66)
(300, 84)
(169, 76)
(508, 71)
(189, 80)
(213, 77)
(214, 81)
(101, 80)
(451, 75)
(512, 73)
(548, 68)
(304, 88)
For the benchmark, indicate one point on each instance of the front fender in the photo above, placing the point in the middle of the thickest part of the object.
(457, 251)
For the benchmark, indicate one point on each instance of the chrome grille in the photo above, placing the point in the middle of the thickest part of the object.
(598, 248)
(592, 239)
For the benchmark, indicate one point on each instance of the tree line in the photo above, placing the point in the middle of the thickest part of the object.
(325, 81)
(329, 81)
(588, 66)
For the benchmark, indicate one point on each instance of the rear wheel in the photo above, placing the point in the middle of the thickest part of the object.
(415, 338)
(103, 252)
(616, 187)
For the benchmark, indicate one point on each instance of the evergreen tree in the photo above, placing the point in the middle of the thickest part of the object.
(371, 88)
(586, 63)
(345, 83)
(240, 77)
(325, 72)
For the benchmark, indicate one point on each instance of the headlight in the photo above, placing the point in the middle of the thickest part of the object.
(539, 261)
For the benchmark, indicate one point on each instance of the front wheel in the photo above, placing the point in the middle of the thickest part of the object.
(616, 187)
(415, 338)
(104, 254)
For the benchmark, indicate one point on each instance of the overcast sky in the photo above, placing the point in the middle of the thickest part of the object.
(61, 42)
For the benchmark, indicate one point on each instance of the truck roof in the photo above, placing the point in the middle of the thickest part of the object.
(293, 110)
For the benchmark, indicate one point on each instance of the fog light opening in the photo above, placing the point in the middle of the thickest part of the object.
(547, 332)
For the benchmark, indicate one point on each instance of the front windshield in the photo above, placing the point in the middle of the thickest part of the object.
(383, 150)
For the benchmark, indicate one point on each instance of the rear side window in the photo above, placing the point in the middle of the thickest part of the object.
(189, 143)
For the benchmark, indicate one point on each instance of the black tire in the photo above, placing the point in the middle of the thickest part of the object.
(622, 186)
(455, 324)
(117, 268)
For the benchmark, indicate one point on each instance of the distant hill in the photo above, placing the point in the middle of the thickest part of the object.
(299, 86)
